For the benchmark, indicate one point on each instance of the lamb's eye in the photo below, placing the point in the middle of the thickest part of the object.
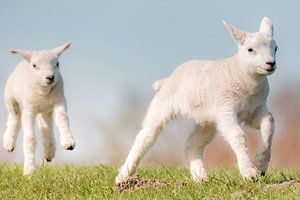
(57, 64)
(34, 65)
(276, 48)
(250, 50)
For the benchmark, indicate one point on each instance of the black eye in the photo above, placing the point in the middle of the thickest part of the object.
(34, 65)
(250, 50)
(276, 48)
(57, 64)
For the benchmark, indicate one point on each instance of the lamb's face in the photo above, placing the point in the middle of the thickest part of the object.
(259, 53)
(44, 65)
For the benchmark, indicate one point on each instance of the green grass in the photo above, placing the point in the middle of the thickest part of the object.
(69, 182)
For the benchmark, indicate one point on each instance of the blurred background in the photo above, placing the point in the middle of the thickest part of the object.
(121, 47)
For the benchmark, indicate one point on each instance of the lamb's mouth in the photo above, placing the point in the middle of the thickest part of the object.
(49, 83)
(270, 70)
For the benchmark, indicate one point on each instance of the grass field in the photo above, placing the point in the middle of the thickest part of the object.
(69, 182)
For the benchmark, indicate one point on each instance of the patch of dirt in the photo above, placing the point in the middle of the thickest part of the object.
(135, 182)
(284, 185)
(275, 186)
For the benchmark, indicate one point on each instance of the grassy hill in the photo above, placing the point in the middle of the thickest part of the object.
(97, 182)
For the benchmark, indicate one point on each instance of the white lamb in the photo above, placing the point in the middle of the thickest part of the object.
(35, 88)
(220, 96)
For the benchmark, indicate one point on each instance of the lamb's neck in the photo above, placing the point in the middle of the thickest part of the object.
(43, 90)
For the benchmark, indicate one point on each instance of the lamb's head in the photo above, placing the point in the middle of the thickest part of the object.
(257, 51)
(44, 65)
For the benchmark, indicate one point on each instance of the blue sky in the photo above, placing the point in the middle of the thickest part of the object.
(127, 45)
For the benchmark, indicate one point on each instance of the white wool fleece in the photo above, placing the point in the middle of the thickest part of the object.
(35, 89)
(219, 96)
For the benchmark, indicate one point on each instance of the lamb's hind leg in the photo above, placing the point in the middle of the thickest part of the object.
(195, 147)
(46, 126)
(29, 141)
(13, 125)
(159, 113)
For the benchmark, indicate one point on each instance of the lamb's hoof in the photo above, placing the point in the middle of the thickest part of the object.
(199, 174)
(8, 147)
(201, 179)
(250, 174)
(68, 144)
(120, 179)
(70, 147)
(261, 165)
(28, 172)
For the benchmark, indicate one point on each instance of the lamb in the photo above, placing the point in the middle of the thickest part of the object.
(35, 89)
(220, 96)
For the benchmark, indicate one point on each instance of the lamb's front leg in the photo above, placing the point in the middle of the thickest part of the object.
(229, 128)
(263, 120)
(62, 123)
(13, 125)
(29, 142)
(11, 132)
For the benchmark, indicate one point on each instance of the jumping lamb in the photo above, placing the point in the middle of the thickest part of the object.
(220, 96)
(35, 89)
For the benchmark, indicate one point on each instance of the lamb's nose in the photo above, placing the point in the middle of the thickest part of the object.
(50, 78)
(271, 63)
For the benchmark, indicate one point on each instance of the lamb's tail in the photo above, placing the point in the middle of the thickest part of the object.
(158, 84)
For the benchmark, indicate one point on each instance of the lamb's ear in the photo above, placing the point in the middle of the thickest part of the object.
(238, 35)
(59, 50)
(25, 54)
(266, 26)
